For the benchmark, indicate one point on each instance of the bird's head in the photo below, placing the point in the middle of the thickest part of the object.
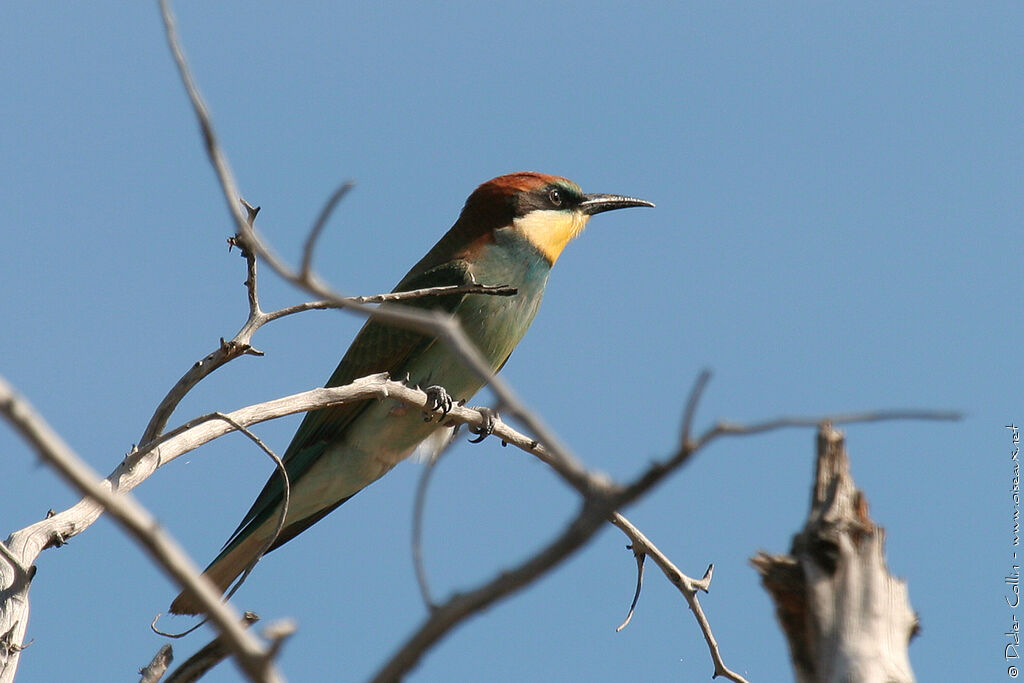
(547, 210)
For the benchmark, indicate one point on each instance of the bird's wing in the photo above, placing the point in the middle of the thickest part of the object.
(379, 347)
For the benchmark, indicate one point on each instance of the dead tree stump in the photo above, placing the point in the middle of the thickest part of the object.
(846, 618)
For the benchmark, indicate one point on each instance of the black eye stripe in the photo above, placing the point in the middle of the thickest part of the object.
(549, 198)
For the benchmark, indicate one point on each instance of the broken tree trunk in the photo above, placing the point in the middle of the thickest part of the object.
(846, 618)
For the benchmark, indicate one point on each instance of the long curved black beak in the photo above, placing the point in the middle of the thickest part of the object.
(598, 203)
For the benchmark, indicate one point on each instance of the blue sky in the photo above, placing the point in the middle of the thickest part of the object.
(839, 191)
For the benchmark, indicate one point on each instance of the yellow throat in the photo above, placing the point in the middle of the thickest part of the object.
(550, 231)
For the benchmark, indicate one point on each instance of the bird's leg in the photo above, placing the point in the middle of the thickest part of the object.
(490, 417)
(437, 400)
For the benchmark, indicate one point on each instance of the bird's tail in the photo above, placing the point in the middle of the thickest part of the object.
(222, 571)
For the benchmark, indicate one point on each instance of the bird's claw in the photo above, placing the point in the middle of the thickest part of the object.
(437, 400)
(490, 419)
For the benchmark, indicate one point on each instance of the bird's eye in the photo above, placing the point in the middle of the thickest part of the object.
(555, 197)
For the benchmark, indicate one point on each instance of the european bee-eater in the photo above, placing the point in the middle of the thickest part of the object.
(510, 232)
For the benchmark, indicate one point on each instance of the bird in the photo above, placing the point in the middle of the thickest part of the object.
(511, 231)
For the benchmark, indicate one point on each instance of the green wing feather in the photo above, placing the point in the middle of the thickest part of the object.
(379, 347)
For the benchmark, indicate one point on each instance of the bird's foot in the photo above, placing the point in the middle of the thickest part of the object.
(490, 417)
(437, 400)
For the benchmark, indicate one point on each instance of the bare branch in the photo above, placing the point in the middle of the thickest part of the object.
(462, 605)
(417, 531)
(138, 466)
(691, 405)
(687, 586)
(240, 344)
(392, 297)
(251, 267)
(444, 290)
(658, 470)
(321, 220)
(208, 656)
(224, 175)
(277, 633)
(286, 487)
(26, 544)
(640, 557)
(738, 429)
(140, 525)
(600, 502)
(224, 353)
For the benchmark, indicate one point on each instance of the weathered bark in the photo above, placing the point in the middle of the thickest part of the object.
(846, 618)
